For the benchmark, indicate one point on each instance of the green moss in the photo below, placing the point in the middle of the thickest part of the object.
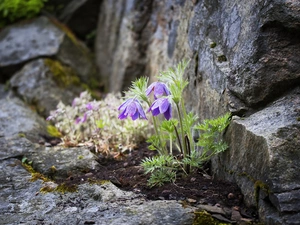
(53, 132)
(213, 44)
(99, 182)
(222, 58)
(63, 188)
(203, 217)
(80, 157)
(260, 186)
(64, 76)
(35, 175)
(15, 10)
(21, 135)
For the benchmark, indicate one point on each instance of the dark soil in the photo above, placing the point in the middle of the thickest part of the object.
(199, 187)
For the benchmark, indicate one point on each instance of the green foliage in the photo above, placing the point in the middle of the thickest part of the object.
(13, 10)
(162, 169)
(210, 136)
(176, 133)
(96, 123)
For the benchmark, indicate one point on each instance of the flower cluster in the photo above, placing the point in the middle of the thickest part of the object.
(161, 105)
(171, 132)
(96, 123)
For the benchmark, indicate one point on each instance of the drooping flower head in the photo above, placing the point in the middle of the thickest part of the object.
(158, 89)
(161, 106)
(131, 107)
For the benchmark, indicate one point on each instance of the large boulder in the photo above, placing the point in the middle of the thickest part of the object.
(43, 37)
(264, 159)
(18, 120)
(22, 202)
(61, 162)
(43, 83)
(122, 40)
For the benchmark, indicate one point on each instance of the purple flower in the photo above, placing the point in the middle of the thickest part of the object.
(132, 107)
(89, 106)
(158, 88)
(74, 102)
(81, 120)
(161, 106)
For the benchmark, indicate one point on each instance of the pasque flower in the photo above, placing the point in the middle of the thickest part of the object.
(132, 107)
(158, 89)
(161, 106)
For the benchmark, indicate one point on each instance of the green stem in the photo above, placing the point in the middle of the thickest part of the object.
(182, 132)
(189, 131)
(163, 151)
(171, 150)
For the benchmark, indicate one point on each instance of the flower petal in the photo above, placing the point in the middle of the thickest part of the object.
(135, 115)
(155, 112)
(163, 107)
(123, 115)
(124, 104)
(140, 110)
(168, 113)
(150, 88)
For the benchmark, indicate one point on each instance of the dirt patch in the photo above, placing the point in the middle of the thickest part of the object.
(199, 187)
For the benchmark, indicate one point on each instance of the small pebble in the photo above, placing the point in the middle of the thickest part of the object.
(191, 200)
(89, 174)
(230, 196)
(193, 179)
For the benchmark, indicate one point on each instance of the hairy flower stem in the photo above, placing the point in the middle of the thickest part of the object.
(171, 150)
(163, 151)
(189, 131)
(182, 131)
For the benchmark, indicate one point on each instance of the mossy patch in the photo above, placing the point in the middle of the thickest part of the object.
(99, 182)
(213, 44)
(222, 58)
(35, 175)
(53, 131)
(63, 188)
(260, 186)
(203, 217)
(64, 76)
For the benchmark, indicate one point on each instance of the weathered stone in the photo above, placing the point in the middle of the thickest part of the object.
(42, 37)
(212, 209)
(21, 202)
(18, 120)
(121, 54)
(263, 155)
(58, 162)
(43, 83)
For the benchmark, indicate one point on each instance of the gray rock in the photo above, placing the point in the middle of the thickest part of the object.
(18, 120)
(59, 162)
(263, 155)
(104, 204)
(42, 37)
(43, 83)
(121, 54)
(212, 209)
